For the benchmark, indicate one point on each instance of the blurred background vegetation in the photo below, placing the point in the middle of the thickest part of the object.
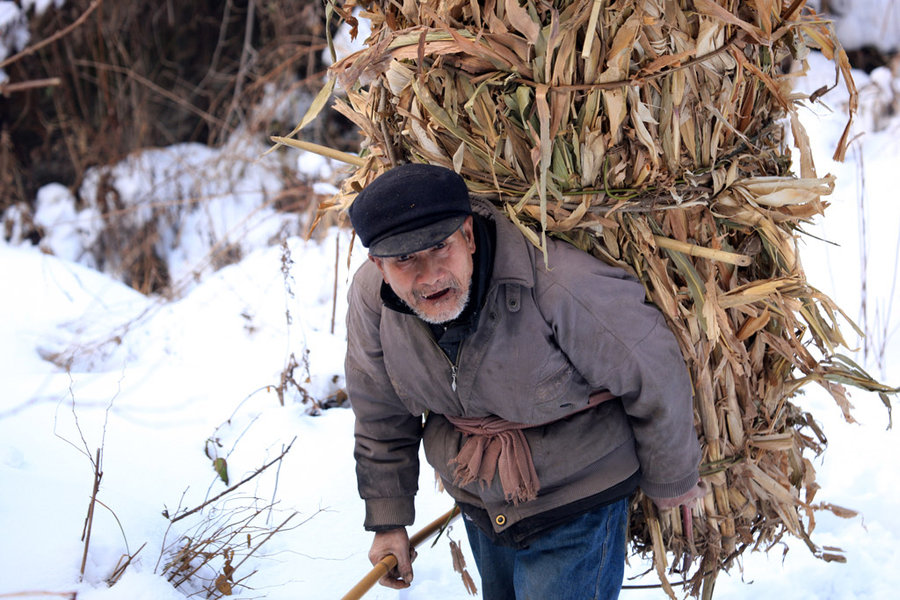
(148, 73)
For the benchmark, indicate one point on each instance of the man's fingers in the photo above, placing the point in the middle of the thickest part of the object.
(392, 581)
(394, 542)
(404, 566)
(401, 566)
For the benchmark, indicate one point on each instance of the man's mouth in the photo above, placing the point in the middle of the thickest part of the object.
(437, 295)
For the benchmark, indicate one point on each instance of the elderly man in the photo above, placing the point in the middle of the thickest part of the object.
(544, 396)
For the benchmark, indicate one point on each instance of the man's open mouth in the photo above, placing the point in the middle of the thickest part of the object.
(436, 295)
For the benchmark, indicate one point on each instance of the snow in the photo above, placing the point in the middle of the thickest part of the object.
(861, 23)
(163, 386)
(13, 32)
(343, 43)
(41, 6)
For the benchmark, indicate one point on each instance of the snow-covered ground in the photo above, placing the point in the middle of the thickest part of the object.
(165, 386)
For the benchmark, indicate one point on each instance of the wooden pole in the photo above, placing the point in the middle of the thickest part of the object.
(390, 561)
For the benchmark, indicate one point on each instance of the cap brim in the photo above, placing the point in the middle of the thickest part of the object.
(416, 240)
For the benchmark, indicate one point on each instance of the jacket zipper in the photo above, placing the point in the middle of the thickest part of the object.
(454, 366)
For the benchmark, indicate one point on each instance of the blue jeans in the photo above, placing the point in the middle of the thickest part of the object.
(579, 560)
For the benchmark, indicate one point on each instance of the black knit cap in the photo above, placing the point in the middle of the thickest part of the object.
(409, 208)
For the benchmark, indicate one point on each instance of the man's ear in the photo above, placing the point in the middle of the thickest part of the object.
(379, 262)
(469, 234)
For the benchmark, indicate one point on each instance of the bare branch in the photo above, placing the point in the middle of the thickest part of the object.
(159, 90)
(11, 88)
(61, 33)
(237, 485)
(89, 520)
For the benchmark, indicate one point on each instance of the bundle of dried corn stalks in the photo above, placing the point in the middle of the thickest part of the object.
(650, 133)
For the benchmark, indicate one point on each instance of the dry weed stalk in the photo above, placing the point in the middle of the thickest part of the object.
(650, 133)
(209, 556)
(234, 487)
(123, 78)
(89, 519)
(124, 562)
(56, 36)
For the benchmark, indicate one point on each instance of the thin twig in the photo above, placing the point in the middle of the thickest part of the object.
(265, 539)
(86, 450)
(274, 492)
(886, 332)
(62, 32)
(863, 250)
(235, 486)
(334, 291)
(120, 566)
(217, 53)
(119, 523)
(159, 90)
(162, 546)
(11, 88)
(245, 59)
(89, 520)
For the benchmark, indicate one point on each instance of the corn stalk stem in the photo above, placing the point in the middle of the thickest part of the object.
(350, 159)
(732, 258)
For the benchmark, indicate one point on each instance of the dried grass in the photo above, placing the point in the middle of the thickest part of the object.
(650, 133)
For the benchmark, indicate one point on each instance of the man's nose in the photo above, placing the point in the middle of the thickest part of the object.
(429, 272)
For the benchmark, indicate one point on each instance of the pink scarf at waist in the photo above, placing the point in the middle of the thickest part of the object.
(494, 444)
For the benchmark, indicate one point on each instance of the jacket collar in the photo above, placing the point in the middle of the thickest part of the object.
(514, 256)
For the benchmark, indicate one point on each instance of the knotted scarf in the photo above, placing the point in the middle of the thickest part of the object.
(494, 444)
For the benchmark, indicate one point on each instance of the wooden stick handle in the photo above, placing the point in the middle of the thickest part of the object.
(365, 584)
(384, 566)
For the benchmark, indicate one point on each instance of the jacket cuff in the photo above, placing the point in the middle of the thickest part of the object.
(387, 513)
(671, 489)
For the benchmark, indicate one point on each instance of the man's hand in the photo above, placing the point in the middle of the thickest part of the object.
(396, 542)
(688, 499)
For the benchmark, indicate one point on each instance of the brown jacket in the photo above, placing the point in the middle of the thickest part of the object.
(545, 340)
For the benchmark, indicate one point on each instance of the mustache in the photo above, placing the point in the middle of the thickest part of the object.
(430, 290)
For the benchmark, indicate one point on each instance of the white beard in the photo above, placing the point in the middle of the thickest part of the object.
(448, 314)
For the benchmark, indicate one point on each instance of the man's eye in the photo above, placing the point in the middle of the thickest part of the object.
(403, 258)
(440, 245)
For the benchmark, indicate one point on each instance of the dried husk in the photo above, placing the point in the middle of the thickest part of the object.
(650, 133)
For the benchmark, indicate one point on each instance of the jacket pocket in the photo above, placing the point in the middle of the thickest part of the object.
(565, 447)
(559, 395)
(442, 443)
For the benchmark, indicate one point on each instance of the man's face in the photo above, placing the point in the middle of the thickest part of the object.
(435, 282)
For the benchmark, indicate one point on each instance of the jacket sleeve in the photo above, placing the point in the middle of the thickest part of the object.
(619, 342)
(387, 436)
